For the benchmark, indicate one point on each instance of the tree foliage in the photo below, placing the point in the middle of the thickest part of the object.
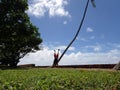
(18, 35)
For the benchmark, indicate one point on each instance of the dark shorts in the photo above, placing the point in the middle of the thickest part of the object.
(55, 61)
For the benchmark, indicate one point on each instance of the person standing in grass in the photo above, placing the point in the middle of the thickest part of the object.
(56, 55)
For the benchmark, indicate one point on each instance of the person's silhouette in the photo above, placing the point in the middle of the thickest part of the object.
(56, 55)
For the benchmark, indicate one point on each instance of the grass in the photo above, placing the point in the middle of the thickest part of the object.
(59, 79)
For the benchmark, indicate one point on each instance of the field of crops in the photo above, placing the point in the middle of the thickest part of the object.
(59, 79)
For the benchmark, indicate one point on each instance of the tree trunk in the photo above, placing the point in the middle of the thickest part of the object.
(13, 62)
(76, 32)
(117, 66)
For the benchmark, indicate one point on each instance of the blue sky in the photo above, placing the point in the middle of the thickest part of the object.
(58, 21)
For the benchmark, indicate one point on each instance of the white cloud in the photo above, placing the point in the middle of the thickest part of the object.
(65, 22)
(92, 37)
(96, 48)
(89, 29)
(114, 51)
(83, 39)
(45, 57)
(86, 38)
(64, 47)
(90, 58)
(39, 8)
(115, 45)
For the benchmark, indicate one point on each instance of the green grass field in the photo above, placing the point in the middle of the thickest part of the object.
(59, 79)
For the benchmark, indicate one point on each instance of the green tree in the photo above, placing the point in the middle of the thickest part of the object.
(18, 36)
